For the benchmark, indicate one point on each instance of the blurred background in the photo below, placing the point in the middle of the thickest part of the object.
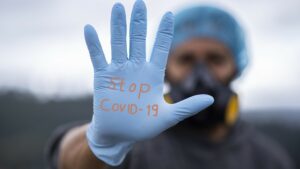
(46, 74)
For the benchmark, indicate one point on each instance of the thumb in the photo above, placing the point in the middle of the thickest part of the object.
(190, 106)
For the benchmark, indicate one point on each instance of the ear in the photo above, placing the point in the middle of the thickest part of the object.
(232, 77)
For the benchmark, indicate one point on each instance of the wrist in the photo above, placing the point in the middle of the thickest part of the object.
(111, 153)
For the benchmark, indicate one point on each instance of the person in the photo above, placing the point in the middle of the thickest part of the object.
(135, 126)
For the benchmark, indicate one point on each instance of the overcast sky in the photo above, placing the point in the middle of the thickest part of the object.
(42, 49)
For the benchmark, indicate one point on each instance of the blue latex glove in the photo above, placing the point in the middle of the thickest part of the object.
(128, 93)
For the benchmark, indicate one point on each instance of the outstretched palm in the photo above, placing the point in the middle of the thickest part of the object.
(128, 96)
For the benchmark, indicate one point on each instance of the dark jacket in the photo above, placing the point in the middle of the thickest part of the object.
(182, 147)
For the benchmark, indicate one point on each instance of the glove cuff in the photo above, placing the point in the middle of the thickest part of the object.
(111, 154)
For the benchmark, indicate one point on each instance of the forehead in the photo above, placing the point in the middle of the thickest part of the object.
(202, 45)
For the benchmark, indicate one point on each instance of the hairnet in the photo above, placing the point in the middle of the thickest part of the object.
(212, 22)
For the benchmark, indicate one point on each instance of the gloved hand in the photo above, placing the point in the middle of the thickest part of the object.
(128, 93)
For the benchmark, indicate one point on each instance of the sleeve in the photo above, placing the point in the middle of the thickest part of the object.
(52, 146)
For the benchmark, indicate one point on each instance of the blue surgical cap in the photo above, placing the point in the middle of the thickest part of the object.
(214, 23)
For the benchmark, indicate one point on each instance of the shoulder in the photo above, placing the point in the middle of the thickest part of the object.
(267, 149)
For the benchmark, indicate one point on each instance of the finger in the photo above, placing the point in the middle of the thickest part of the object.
(94, 47)
(138, 26)
(190, 106)
(163, 41)
(118, 34)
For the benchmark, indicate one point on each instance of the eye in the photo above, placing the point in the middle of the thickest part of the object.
(215, 58)
(186, 59)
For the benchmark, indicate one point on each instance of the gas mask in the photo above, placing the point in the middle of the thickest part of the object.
(200, 81)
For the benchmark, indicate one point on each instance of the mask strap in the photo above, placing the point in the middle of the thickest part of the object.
(232, 110)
